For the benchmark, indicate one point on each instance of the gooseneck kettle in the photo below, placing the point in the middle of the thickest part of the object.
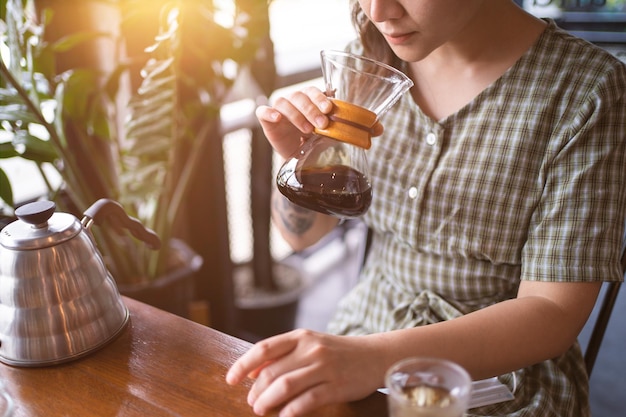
(58, 301)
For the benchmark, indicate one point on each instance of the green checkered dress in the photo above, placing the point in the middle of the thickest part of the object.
(526, 182)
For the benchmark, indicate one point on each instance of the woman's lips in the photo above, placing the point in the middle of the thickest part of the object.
(397, 38)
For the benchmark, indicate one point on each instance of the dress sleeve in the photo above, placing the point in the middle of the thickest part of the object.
(577, 231)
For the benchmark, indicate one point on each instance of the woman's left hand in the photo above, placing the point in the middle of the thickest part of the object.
(302, 370)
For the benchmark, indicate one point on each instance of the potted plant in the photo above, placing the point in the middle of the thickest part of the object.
(143, 146)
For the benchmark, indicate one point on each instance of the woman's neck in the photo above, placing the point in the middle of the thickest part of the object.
(452, 75)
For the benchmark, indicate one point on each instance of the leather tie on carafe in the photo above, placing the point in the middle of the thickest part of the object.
(351, 124)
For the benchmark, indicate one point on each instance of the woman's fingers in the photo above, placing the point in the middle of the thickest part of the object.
(310, 400)
(294, 392)
(282, 135)
(260, 355)
(309, 369)
(303, 370)
(306, 109)
(267, 114)
(292, 117)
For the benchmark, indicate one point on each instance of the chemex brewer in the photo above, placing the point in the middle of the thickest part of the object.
(329, 172)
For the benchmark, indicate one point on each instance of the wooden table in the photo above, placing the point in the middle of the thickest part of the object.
(161, 365)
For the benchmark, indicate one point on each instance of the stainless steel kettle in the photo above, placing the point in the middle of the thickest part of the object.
(58, 301)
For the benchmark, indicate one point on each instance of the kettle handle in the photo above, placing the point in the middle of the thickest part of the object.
(106, 208)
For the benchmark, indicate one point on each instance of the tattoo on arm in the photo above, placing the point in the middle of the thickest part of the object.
(297, 220)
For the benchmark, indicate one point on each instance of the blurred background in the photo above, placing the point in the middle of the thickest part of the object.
(161, 94)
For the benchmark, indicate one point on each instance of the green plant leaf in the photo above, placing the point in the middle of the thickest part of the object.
(7, 150)
(35, 149)
(6, 192)
(59, 93)
(17, 113)
(156, 68)
(45, 61)
(112, 85)
(9, 95)
(66, 43)
(153, 149)
(80, 86)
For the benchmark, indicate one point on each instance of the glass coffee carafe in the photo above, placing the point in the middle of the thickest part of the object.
(329, 172)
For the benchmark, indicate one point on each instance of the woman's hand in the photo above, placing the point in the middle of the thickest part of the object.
(293, 117)
(302, 370)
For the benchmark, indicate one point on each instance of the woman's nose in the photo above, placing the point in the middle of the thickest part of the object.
(382, 10)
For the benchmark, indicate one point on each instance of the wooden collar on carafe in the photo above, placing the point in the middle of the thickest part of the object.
(350, 123)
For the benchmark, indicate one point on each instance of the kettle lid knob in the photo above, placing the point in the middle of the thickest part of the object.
(36, 213)
(38, 227)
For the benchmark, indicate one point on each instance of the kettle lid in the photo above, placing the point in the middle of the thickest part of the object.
(38, 227)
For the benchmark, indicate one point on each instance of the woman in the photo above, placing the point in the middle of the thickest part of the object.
(514, 137)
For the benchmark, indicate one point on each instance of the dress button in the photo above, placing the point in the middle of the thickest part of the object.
(413, 193)
(431, 138)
